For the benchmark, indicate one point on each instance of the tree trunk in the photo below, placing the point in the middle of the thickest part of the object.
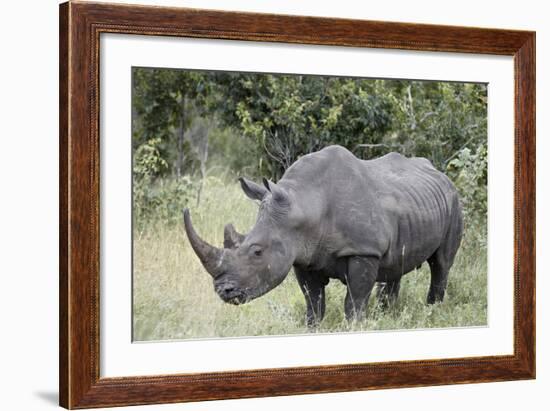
(181, 137)
(203, 159)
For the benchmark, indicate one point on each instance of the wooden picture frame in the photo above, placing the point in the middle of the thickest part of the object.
(81, 24)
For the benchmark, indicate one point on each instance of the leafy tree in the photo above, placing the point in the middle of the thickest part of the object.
(289, 116)
(469, 173)
(165, 102)
(437, 120)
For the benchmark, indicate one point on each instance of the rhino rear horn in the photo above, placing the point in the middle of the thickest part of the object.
(231, 238)
(210, 256)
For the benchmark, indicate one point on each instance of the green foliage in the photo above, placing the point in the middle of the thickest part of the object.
(148, 161)
(437, 119)
(162, 200)
(164, 104)
(469, 173)
(232, 153)
(289, 116)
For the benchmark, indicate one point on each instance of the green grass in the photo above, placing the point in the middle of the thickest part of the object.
(174, 297)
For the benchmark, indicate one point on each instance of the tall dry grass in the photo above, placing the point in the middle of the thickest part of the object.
(173, 296)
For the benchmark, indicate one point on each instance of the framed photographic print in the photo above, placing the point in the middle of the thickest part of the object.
(258, 205)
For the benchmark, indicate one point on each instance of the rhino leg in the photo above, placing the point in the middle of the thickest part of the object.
(442, 260)
(360, 279)
(312, 285)
(440, 271)
(388, 293)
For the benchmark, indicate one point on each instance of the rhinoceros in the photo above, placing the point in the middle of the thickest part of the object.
(335, 216)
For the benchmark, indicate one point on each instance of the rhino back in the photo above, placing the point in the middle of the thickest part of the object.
(395, 208)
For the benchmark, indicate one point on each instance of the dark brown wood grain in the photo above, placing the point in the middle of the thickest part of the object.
(80, 28)
(524, 203)
(63, 206)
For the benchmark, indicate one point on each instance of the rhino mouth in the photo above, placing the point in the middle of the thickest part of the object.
(238, 300)
(235, 297)
(231, 294)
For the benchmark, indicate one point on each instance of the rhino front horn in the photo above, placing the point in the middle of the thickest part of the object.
(210, 256)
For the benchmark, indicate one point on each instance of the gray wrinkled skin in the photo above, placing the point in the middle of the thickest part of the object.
(333, 215)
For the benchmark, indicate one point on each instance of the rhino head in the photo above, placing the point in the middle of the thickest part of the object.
(250, 265)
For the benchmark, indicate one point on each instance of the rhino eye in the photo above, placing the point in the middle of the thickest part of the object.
(256, 250)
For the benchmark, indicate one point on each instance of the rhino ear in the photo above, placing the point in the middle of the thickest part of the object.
(279, 194)
(252, 190)
(231, 238)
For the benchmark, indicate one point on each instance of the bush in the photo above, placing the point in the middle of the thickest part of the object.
(162, 200)
(469, 174)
